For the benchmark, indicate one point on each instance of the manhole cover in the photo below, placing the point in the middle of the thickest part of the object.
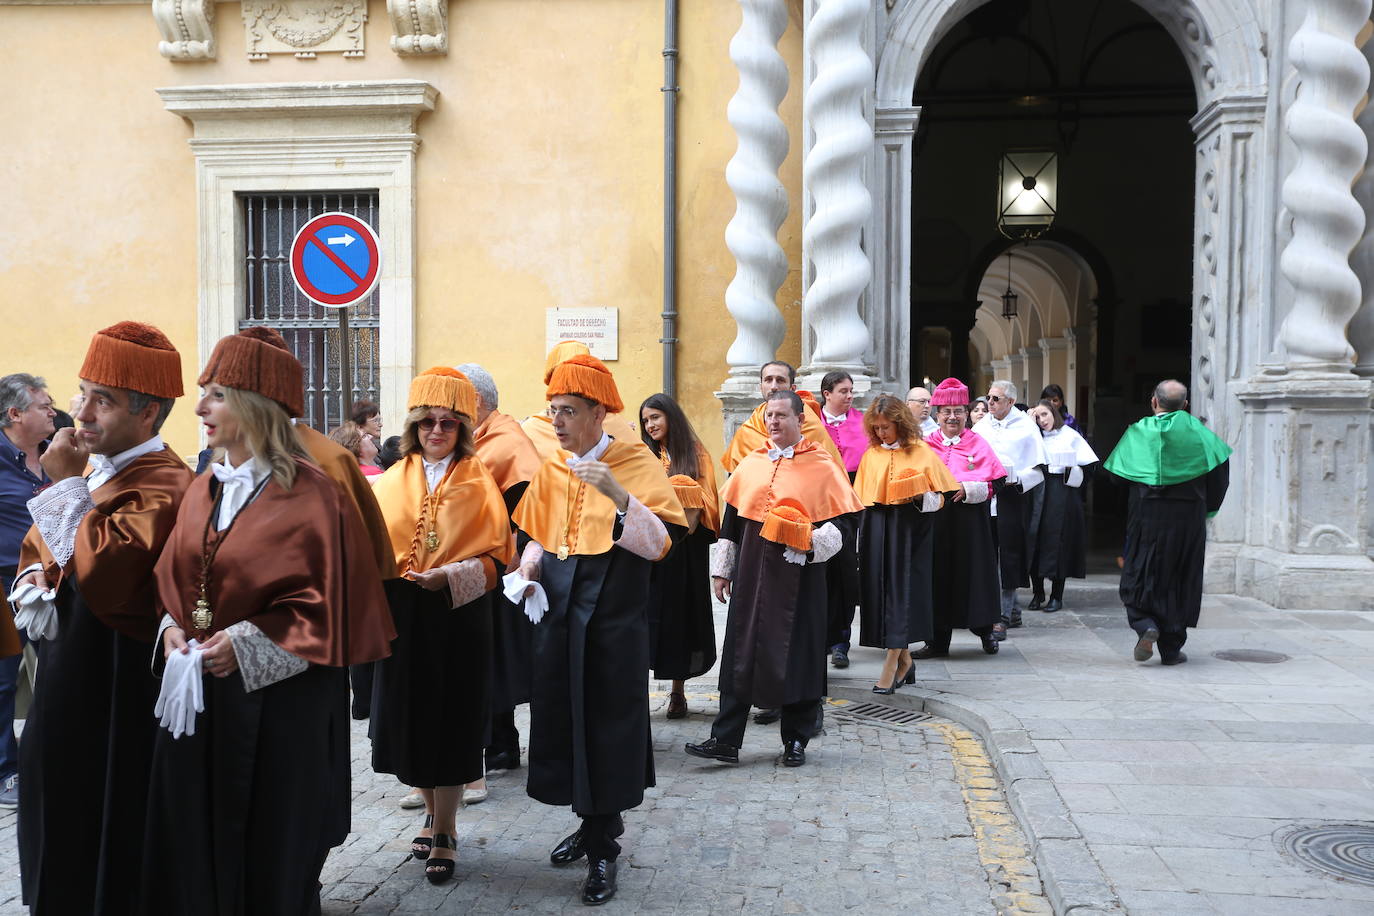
(1260, 656)
(888, 715)
(1343, 851)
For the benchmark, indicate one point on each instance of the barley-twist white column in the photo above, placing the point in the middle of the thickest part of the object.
(834, 175)
(1327, 219)
(1361, 333)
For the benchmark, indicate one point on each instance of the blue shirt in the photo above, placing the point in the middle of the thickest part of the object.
(18, 485)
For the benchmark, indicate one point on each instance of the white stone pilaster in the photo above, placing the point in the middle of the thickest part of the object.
(889, 297)
(1034, 364)
(1056, 363)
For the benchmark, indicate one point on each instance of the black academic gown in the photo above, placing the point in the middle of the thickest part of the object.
(1014, 531)
(1061, 546)
(964, 586)
(682, 628)
(511, 637)
(590, 745)
(1166, 543)
(895, 549)
(83, 764)
(776, 632)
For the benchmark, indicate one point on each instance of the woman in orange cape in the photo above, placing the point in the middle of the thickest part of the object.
(900, 481)
(452, 540)
(682, 630)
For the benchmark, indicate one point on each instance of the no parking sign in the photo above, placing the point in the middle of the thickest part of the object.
(335, 260)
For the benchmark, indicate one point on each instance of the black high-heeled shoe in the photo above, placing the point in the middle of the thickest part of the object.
(885, 691)
(421, 845)
(910, 675)
(440, 870)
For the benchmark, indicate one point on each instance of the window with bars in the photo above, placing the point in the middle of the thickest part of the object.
(270, 223)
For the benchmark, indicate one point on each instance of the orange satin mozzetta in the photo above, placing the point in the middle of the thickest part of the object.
(468, 515)
(882, 470)
(506, 450)
(810, 477)
(559, 509)
(119, 541)
(754, 434)
(340, 465)
(297, 563)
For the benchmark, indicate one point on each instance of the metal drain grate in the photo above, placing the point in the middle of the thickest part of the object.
(1259, 656)
(1344, 851)
(887, 715)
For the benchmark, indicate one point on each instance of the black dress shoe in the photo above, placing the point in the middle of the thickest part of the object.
(927, 652)
(569, 850)
(840, 657)
(600, 883)
(711, 749)
(767, 716)
(1145, 645)
(990, 644)
(1015, 623)
(1036, 603)
(1053, 605)
(505, 760)
(1177, 658)
(793, 753)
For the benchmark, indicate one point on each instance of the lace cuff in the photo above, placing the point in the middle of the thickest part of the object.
(932, 501)
(57, 513)
(262, 662)
(533, 553)
(825, 542)
(643, 533)
(467, 580)
(723, 559)
(976, 491)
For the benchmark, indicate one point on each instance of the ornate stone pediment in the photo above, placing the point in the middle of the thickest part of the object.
(304, 27)
(420, 26)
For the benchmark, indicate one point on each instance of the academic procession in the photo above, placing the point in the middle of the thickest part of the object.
(193, 637)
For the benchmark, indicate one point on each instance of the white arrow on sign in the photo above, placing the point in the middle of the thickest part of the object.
(344, 240)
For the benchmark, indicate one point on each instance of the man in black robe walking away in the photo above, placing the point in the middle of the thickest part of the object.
(1178, 470)
(788, 509)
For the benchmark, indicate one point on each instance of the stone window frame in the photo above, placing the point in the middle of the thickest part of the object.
(299, 137)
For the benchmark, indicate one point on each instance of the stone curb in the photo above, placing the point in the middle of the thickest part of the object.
(1074, 882)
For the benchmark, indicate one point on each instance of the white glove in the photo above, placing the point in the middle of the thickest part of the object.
(931, 501)
(826, 541)
(1075, 478)
(535, 605)
(183, 692)
(976, 491)
(34, 611)
(794, 556)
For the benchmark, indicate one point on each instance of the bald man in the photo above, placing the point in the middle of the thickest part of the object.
(918, 399)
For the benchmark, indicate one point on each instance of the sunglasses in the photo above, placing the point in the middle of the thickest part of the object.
(994, 399)
(446, 425)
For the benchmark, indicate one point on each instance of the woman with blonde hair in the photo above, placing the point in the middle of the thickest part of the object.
(900, 481)
(452, 540)
(269, 587)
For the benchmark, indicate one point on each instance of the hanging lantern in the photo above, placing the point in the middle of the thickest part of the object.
(1009, 298)
(1027, 193)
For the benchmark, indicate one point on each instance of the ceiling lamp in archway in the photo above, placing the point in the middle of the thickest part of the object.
(1027, 193)
(1009, 297)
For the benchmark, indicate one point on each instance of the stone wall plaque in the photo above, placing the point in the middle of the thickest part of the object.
(304, 27)
(598, 328)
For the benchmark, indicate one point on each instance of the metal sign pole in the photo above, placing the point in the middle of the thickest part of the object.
(345, 367)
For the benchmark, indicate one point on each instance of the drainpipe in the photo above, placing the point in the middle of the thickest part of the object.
(670, 91)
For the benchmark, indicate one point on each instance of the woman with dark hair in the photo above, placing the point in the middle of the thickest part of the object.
(976, 411)
(1055, 395)
(361, 446)
(900, 482)
(1061, 547)
(682, 632)
(367, 416)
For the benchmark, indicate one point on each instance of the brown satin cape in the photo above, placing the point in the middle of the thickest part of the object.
(297, 563)
(754, 434)
(705, 495)
(470, 520)
(544, 511)
(118, 543)
(506, 450)
(810, 477)
(540, 430)
(879, 466)
(341, 466)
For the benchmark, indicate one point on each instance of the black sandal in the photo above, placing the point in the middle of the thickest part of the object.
(421, 845)
(440, 870)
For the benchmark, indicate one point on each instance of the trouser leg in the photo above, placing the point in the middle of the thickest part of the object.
(1057, 589)
(800, 720)
(980, 632)
(505, 737)
(1171, 641)
(728, 728)
(599, 835)
(1140, 621)
(1008, 604)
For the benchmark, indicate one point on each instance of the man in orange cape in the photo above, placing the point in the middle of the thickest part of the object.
(88, 740)
(596, 516)
(788, 509)
(539, 426)
(753, 434)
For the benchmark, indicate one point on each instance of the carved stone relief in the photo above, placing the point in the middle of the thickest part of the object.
(187, 27)
(420, 26)
(304, 27)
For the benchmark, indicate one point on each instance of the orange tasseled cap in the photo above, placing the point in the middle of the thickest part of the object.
(587, 377)
(443, 387)
(563, 350)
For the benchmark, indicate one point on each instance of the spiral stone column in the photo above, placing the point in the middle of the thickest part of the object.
(1361, 332)
(834, 176)
(1327, 219)
(760, 204)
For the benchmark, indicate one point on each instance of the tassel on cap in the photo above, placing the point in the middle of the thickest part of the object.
(587, 377)
(258, 360)
(443, 387)
(949, 393)
(788, 524)
(134, 356)
(563, 350)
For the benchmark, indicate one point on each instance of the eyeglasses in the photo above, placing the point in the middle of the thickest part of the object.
(918, 401)
(446, 425)
(567, 413)
(994, 399)
(951, 411)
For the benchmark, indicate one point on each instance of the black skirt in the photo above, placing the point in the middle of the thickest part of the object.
(894, 574)
(682, 627)
(964, 582)
(1061, 547)
(431, 698)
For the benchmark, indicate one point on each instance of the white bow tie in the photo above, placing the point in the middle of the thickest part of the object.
(891, 447)
(101, 464)
(954, 441)
(243, 474)
(774, 453)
